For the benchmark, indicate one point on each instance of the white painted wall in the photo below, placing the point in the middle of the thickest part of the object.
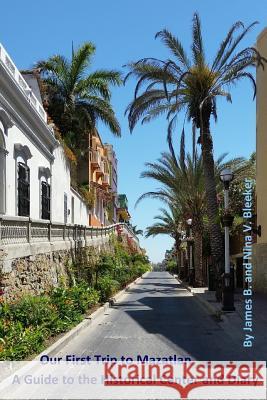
(14, 135)
(81, 213)
(61, 184)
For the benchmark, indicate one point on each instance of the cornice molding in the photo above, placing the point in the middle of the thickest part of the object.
(27, 111)
(6, 119)
(29, 133)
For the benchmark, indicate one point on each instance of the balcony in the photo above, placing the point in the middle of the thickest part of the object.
(106, 180)
(96, 159)
(20, 81)
(101, 170)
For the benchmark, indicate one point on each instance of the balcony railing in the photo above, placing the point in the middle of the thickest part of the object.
(106, 179)
(17, 76)
(21, 230)
(96, 159)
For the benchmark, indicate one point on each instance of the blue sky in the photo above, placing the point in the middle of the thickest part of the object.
(124, 31)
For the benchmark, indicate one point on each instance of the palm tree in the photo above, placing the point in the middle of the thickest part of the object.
(167, 223)
(183, 189)
(76, 98)
(193, 86)
(137, 231)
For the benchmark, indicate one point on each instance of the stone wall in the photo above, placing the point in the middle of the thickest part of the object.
(36, 275)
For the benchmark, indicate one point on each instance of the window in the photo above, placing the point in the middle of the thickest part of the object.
(45, 193)
(45, 200)
(23, 190)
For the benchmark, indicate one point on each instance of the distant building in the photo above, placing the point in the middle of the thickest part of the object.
(113, 168)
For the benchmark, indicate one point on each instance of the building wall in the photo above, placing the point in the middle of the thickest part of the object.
(260, 249)
(111, 155)
(81, 212)
(98, 215)
(14, 135)
(25, 136)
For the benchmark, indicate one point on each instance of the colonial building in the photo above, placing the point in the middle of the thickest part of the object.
(113, 165)
(99, 180)
(35, 175)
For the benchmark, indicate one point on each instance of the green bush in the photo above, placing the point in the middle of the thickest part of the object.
(171, 266)
(33, 311)
(26, 324)
(19, 342)
(83, 297)
(65, 306)
(107, 287)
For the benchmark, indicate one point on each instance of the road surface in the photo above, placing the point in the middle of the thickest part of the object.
(157, 318)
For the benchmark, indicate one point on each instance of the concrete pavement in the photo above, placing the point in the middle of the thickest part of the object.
(159, 318)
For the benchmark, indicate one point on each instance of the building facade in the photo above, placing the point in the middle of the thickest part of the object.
(99, 180)
(34, 172)
(113, 168)
(260, 248)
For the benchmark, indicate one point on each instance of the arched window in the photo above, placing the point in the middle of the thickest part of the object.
(45, 192)
(3, 153)
(22, 155)
(23, 190)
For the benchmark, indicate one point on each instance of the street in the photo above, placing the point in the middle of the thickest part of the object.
(159, 318)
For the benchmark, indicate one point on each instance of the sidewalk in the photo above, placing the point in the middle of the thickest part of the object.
(234, 322)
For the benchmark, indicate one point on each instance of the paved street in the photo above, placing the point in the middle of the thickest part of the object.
(159, 318)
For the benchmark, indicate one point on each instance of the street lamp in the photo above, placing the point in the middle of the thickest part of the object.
(191, 279)
(226, 177)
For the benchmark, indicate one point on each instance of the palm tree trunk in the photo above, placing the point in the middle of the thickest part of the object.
(198, 257)
(177, 248)
(216, 239)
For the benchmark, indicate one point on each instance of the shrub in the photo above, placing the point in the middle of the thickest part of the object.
(83, 297)
(171, 266)
(65, 306)
(19, 342)
(33, 311)
(107, 287)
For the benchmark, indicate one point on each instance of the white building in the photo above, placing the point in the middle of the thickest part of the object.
(34, 172)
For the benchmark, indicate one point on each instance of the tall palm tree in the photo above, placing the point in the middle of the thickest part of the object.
(167, 223)
(193, 85)
(76, 98)
(183, 188)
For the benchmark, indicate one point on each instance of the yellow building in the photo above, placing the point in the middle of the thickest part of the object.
(260, 248)
(99, 176)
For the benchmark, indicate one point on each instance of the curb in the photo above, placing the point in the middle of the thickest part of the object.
(209, 307)
(60, 343)
(124, 291)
